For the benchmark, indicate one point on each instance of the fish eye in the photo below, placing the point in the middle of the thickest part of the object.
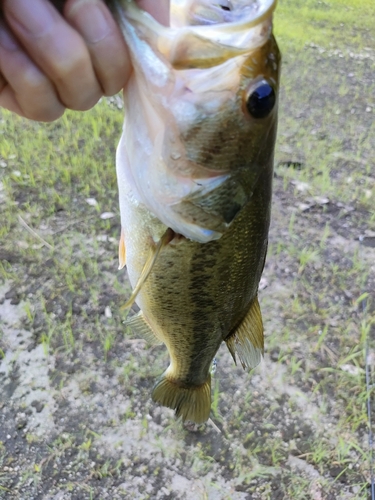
(261, 100)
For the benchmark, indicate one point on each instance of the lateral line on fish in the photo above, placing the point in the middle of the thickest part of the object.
(151, 259)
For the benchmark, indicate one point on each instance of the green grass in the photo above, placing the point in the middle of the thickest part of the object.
(329, 24)
(68, 148)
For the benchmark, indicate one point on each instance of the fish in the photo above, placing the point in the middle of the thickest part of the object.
(194, 168)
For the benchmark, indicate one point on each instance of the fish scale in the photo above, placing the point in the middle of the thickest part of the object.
(195, 182)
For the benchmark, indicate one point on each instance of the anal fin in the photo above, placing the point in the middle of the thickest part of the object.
(141, 328)
(247, 340)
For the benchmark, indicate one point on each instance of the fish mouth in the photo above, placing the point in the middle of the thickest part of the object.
(236, 24)
(223, 15)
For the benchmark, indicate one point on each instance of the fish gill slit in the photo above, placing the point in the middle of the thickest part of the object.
(175, 237)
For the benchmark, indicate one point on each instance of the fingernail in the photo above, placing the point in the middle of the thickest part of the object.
(35, 17)
(7, 40)
(91, 19)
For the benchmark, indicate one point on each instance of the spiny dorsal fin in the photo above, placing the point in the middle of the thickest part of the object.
(247, 340)
(141, 328)
(122, 251)
(151, 259)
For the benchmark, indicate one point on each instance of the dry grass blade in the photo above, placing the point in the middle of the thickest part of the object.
(33, 233)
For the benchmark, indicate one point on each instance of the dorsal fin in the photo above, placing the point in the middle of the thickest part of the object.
(151, 259)
(247, 340)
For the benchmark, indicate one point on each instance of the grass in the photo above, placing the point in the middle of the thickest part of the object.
(325, 23)
(296, 427)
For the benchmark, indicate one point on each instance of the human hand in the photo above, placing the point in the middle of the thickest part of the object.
(50, 62)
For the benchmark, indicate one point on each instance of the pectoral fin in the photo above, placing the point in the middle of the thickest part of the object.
(153, 255)
(141, 328)
(247, 340)
(122, 251)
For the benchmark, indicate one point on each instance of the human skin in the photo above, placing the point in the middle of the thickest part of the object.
(51, 61)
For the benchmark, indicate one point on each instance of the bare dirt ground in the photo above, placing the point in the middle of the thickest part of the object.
(76, 418)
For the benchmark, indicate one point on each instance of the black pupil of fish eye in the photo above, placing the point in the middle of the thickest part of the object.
(261, 101)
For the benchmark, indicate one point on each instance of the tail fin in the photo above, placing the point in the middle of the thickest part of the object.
(191, 403)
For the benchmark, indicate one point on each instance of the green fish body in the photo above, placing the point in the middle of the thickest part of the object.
(195, 167)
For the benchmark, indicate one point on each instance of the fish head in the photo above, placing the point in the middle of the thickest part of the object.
(223, 115)
(201, 110)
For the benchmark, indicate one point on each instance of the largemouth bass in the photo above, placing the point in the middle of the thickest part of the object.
(194, 168)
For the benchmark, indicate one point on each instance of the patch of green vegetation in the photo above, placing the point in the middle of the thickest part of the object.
(329, 23)
(47, 173)
(68, 147)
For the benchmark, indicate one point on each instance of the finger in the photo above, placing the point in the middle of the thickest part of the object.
(7, 99)
(104, 40)
(3, 82)
(159, 10)
(57, 48)
(24, 89)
